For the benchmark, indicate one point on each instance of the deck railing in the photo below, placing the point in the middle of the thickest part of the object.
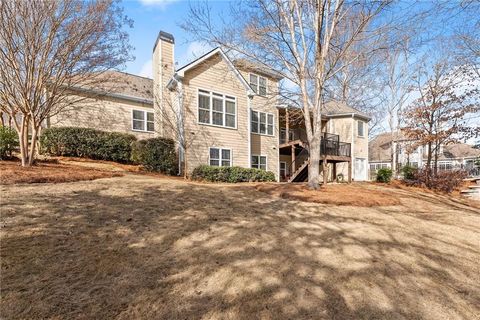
(330, 143)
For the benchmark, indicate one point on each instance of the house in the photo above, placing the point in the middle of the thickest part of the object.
(224, 112)
(405, 151)
(123, 104)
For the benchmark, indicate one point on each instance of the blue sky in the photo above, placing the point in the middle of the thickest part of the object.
(151, 16)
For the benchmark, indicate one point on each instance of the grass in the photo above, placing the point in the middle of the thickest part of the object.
(142, 247)
(346, 194)
(49, 172)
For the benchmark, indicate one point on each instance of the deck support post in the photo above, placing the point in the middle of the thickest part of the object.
(325, 173)
(349, 172)
(334, 171)
(287, 126)
(293, 160)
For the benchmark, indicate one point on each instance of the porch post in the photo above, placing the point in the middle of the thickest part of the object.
(293, 160)
(349, 171)
(325, 174)
(287, 125)
(334, 171)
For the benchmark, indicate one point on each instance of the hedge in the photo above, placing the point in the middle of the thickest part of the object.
(384, 175)
(231, 174)
(8, 142)
(156, 154)
(87, 143)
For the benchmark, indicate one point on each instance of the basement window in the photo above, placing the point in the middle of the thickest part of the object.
(259, 162)
(220, 157)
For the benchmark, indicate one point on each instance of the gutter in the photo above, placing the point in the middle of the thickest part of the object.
(113, 95)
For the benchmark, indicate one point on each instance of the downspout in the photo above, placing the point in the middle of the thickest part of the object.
(277, 146)
(181, 129)
(249, 126)
(353, 147)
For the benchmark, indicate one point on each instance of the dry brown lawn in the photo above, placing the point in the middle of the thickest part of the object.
(138, 247)
(50, 172)
(355, 194)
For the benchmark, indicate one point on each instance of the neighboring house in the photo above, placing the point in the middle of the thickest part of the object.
(223, 113)
(451, 156)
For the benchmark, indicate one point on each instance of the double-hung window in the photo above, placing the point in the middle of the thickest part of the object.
(143, 121)
(262, 122)
(217, 109)
(360, 128)
(259, 162)
(258, 84)
(220, 157)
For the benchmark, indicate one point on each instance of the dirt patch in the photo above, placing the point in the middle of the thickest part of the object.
(11, 172)
(361, 195)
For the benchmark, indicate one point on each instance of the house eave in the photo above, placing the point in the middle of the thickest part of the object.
(113, 95)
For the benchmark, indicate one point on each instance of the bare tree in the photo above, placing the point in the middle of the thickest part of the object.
(303, 40)
(448, 96)
(49, 47)
(399, 72)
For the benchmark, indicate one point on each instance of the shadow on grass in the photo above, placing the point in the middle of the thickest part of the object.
(134, 247)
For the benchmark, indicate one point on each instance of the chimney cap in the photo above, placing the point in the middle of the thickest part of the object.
(165, 36)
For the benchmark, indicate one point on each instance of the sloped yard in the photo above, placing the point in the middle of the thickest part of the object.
(140, 247)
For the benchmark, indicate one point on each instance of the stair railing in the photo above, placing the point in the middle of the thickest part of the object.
(301, 157)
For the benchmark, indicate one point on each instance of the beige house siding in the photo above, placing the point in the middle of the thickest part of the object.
(346, 128)
(106, 113)
(214, 75)
(265, 145)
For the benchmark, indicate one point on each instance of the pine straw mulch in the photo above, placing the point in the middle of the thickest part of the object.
(356, 194)
(11, 172)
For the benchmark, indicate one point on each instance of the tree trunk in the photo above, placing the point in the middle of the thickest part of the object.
(33, 144)
(23, 141)
(429, 162)
(314, 165)
(435, 161)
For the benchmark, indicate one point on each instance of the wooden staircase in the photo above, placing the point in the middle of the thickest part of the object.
(301, 174)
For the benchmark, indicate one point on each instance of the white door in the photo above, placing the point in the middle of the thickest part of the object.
(360, 173)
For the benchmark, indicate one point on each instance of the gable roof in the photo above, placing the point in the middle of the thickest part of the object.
(337, 108)
(181, 72)
(257, 68)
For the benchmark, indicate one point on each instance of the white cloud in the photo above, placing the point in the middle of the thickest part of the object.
(158, 3)
(146, 70)
(194, 50)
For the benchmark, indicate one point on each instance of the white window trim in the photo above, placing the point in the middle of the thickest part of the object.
(259, 155)
(258, 84)
(220, 159)
(266, 115)
(363, 128)
(144, 121)
(211, 109)
(286, 168)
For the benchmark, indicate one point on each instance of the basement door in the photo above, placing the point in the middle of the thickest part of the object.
(360, 169)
